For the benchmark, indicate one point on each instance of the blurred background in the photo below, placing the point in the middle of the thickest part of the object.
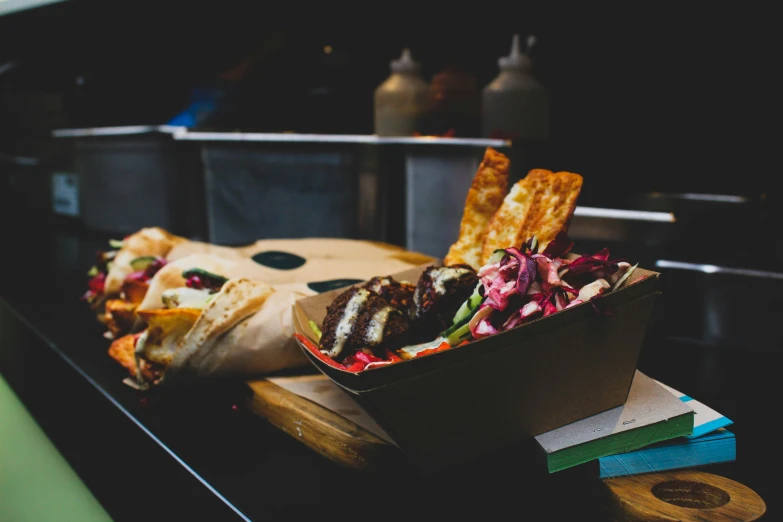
(231, 123)
(657, 99)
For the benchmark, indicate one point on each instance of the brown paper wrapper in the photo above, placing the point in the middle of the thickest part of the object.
(263, 342)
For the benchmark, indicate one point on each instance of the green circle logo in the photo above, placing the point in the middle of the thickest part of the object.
(325, 286)
(279, 260)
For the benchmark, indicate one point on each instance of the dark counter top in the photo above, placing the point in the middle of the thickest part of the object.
(198, 453)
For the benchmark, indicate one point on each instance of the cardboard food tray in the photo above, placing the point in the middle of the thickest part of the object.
(459, 403)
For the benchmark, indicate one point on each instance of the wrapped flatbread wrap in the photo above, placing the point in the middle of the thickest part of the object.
(118, 279)
(245, 331)
(228, 312)
(153, 242)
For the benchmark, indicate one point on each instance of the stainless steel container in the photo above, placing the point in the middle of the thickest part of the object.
(136, 176)
(407, 191)
(719, 305)
(438, 175)
(273, 185)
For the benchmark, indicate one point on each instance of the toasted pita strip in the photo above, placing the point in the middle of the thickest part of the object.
(119, 316)
(165, 331)
(485, 196)
(134, 291)
(541, 204)
(552, 208)
(121, 350)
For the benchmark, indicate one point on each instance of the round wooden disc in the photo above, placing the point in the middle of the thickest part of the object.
(682, 495)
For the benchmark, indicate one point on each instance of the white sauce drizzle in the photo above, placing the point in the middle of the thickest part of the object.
(409, 352)
(374, 334)
(441, 275)
(345, 326)
(379, 284)
(417, 300)
(185, 297)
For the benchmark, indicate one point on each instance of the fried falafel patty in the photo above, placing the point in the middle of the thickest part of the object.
(439, 293)
(399, 294)
(361, 319)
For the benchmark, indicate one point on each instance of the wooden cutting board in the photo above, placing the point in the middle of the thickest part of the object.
(337, 433)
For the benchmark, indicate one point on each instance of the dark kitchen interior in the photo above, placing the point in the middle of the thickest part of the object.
(664, 108)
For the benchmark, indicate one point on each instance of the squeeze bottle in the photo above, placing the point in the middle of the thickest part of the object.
(401, 100)
(515, 105)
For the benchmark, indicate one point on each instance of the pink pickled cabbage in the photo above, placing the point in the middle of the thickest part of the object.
(525, 285)
(559, 246)
(512, 275)
(479, 324)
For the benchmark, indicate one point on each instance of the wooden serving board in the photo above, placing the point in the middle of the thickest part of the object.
(336, 433)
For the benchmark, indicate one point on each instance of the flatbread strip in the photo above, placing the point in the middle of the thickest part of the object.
(485, 196)
(122, 351)
(541, 204)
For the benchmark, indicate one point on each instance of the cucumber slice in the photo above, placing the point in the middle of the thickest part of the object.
(453, 328)
(460, 334)
(468, 306)
(116, 243)
(217, 279)
(141, 263)
(460, 330)
(93, 272)
(532, 244)
(496, 256)
(315, 329)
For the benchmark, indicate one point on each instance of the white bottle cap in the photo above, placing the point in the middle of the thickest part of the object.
(516, 59)
(405, 63)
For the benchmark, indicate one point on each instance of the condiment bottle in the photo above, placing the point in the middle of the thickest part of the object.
(453, 106)
(515, 105)
(401, 100)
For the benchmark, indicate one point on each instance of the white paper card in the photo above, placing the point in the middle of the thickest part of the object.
(705, 419)
(65, 194)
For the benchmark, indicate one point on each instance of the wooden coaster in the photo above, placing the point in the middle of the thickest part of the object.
(683, 495)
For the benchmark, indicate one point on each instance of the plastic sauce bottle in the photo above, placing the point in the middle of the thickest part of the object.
(453, 105)
(515, 105)
(401, 100)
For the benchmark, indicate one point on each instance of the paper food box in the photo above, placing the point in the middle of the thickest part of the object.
(458, 403)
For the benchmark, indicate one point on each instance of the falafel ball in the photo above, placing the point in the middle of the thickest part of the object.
(398, 293)
(361, 319)
(439, 293)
